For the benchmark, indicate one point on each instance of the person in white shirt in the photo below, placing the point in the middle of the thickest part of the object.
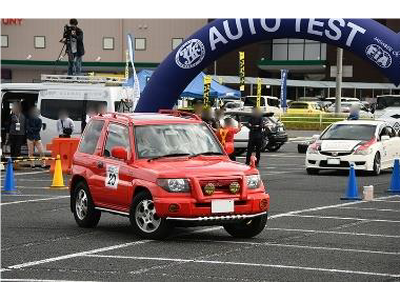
(65, 126)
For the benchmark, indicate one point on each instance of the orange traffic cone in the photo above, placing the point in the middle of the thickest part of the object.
(58, 180)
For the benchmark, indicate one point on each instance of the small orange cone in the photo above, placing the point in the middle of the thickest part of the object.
(58, 180)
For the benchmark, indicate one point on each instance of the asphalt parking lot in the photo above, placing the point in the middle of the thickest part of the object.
(311, 235)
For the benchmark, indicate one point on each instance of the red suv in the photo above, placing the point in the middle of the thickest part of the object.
(163, 170)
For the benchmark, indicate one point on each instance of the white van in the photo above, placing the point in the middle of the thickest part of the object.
(58, 92)
(388, 110)
(267, 104)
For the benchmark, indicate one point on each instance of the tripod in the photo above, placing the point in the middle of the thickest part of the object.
(58, 57)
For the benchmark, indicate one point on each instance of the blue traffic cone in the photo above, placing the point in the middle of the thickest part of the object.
(395, 182)
(9, 184)
(352, 189)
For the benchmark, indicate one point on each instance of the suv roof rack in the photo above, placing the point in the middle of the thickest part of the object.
(83, 79)
(121, 115)
(179, 113)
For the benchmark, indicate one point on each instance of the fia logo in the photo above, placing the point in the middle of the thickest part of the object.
(381, 57)
(190, 54)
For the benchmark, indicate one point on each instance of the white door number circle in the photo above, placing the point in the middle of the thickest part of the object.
(112, 177)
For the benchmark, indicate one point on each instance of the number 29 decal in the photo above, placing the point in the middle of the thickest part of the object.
(112, 177)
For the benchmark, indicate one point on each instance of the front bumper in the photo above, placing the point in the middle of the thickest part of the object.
(320, 161)
(191, 209)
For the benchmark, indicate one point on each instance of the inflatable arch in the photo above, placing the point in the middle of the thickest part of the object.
(365, 37)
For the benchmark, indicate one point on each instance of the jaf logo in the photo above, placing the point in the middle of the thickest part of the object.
(190, 54)
(381, 57)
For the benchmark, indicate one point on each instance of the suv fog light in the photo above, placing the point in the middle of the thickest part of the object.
(234, 187)
(209, 189)
(263, 204)
(173, 208)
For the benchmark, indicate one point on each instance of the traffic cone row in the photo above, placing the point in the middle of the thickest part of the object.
(352, 189)
(9, 182)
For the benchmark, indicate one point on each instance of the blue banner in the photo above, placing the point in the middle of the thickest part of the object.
(367, 38)
(284, 74)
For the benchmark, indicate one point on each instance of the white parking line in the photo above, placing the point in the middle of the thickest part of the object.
(30, 280)
(33, 200)
(345, 218)
(93, 251)
(233, 263)
(371, 209)
(295, 212)
(296, 246)
(333, 232)
(77, 254)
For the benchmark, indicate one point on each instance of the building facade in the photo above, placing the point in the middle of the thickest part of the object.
(30, 47)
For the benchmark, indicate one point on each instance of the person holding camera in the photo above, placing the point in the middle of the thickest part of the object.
(73, 40)
(65, 126)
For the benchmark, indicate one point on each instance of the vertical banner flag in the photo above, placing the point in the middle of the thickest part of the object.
(241, 71)
(136, 87)
(207, 87)
(284, 74)
(258, 92)
(126, 65)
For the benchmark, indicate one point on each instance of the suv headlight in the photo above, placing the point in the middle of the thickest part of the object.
(174, 185)
(253, 181)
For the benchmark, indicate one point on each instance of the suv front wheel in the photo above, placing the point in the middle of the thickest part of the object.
(83, 208)
(144, 219)
(248, 228)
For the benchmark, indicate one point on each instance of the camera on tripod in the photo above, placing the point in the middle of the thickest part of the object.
(69, 31)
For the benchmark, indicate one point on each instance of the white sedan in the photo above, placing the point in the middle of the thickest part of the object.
(369, 145)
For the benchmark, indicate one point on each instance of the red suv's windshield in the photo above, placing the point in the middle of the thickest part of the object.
(174, 140)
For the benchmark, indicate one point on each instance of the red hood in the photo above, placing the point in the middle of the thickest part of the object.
(194, 167)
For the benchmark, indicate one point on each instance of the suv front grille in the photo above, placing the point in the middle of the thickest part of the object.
(221, 185)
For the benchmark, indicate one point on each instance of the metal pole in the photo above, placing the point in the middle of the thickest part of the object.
(215, 67)
(339, 73)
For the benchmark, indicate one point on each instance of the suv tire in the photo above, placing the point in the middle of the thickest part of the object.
(144, 220)
(83, 208)
(248, 228)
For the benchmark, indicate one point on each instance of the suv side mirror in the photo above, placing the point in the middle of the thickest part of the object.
(385, 138)
(119, 152)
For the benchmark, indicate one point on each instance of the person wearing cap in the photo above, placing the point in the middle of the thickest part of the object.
(226, 135)
(256, 125)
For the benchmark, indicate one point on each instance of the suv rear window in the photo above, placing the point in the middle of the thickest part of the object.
(91, 136)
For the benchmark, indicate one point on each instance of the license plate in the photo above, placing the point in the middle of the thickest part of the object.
(222, 206)
(333, 161)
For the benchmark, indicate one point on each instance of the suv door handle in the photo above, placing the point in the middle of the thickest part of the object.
(100, 164)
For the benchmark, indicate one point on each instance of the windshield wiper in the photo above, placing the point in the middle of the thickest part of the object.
(169, 155)
(205, 153)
